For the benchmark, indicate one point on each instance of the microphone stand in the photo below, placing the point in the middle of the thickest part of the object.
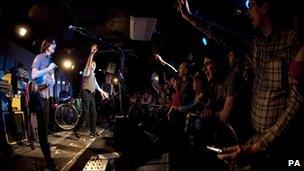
(87, 33)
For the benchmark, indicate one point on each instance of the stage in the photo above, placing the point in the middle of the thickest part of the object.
(70, 153)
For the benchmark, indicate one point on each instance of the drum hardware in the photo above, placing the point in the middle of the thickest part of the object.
(67, 114)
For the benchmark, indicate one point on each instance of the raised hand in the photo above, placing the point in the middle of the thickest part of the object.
(181, 7)
(158, 57)
(94, 48)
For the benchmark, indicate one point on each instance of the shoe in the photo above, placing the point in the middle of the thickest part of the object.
(93, 134)
(76, 134)
(32, 145)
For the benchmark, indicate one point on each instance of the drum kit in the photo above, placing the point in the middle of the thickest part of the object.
(67, 114)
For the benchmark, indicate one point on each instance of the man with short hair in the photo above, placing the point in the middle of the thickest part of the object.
(88, 87)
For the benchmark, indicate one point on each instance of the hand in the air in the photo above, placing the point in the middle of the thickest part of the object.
(181, 8)
(94, 48)
(158, 57)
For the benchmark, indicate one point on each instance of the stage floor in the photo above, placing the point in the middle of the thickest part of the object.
(65, 149)
(70, 153)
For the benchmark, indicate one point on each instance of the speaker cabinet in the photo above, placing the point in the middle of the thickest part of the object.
(13, 126)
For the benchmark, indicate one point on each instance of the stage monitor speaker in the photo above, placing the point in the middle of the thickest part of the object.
(14, 127)
(142, 28)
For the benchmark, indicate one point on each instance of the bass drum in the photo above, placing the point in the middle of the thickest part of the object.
(66, 116)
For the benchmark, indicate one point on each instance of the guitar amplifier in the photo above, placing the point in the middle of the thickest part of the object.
(14, 127)
(16, 103)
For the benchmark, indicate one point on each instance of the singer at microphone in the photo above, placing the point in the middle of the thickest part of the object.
(43, 77)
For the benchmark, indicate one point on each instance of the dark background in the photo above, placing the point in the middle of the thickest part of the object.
(173, 38)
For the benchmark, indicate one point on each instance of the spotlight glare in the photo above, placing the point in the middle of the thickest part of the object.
(22, 31)
(67, 64)
(80, 72)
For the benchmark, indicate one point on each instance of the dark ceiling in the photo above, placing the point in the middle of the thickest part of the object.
(110, 20)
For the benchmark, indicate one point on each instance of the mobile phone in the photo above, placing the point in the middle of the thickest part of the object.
(214, 149)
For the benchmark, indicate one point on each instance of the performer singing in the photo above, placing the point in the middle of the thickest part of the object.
(89, 85)
(43, 80)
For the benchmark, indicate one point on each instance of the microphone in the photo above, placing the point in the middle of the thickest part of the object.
(71, 27)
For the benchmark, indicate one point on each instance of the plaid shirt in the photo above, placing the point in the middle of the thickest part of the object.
(276, 100)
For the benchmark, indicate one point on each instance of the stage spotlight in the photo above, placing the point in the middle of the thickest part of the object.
(22, 31)
(73, 67)
(80, 72)
(67, 64)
